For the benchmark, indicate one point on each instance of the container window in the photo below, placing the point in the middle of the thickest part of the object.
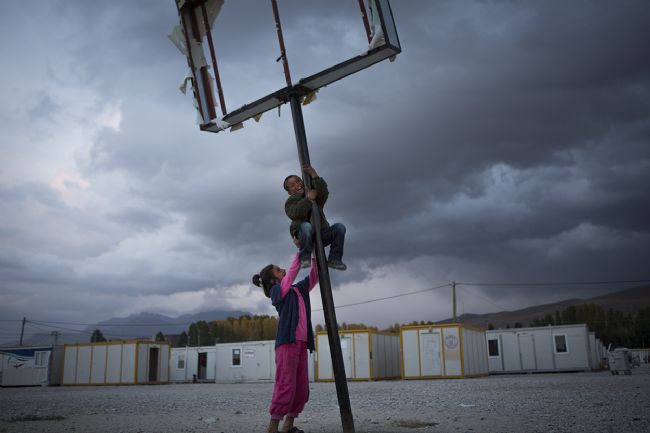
(236, 357)
(493, 347)
(181, 361)
(560, 344)
(40, 359)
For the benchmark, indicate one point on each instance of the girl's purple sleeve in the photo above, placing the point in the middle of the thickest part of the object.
(290, 277)
(313, 274)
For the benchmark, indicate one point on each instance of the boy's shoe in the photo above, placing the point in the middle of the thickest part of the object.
(305, 263)
(336, 264)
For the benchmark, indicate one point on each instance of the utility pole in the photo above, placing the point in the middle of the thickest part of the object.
(55, 334)
(22, 332)
(324, 277)
(453, 291)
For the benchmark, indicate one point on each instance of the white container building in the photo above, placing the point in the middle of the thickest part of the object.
(193, 364)
(542, 349)
(29, 366)
(116, 363)
(643, 355)
(249, 361)
(598, 353)
(443, 351)
(367, 355)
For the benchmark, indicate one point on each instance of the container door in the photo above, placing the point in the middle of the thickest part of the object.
(257, 358)
(192, 363)
(211, 372)
(430, 354)
(153, 364)
(527, 351)
(262, 356)
(361, 354)
(202, 366)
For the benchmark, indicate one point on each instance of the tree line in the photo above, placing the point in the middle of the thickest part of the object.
(229, 330)
(610, 326)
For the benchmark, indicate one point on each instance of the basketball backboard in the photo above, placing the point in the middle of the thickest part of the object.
(197, 18)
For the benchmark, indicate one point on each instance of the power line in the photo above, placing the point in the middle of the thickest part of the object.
(493, 284)
(43, 326)
(118, 324)
(477, 284)
(481, 297)
(557, 283)
(35, 323)
(611, 322)
(388, 297)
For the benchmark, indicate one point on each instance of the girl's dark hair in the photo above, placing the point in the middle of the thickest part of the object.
(265, 279)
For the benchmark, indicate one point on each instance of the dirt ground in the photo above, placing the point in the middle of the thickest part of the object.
(566, 402)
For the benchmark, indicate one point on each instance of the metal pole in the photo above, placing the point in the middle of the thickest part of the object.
(217, 78)
(364, 16)
(324, 278)
(283, 52)
(453, 289)
(22, 332)
(203, 70)
(195, 88)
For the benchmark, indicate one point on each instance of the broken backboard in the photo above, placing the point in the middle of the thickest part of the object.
(193, 37)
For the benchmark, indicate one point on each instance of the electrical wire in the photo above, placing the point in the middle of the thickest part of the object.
(51, 324)
(483, 298)
(557, 283)
(388, 297)
(77, 330)
(118, 324)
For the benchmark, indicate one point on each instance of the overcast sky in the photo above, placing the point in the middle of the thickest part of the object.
(508, 142)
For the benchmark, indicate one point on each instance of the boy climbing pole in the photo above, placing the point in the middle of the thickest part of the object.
(298, 208)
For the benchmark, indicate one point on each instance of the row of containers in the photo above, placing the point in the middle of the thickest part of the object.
(417, 352)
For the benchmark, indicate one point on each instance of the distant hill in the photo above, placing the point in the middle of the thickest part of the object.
(626, 301)
(142, 325)
(147, 325)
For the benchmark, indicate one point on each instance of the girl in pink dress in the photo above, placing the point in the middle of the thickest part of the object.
(293, 338)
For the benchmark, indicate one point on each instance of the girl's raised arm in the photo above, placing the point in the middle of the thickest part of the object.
(290, 277)
(313, 274)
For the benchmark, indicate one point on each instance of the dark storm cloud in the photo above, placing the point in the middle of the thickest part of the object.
(559, 102)
(44, 107)
(509, 141)
(139, 219)
(25, 270)
(110, 34)
(13, 194)
(537, 98)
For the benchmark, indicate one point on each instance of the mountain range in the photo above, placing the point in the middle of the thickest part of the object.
(141, 325)
(147, 325)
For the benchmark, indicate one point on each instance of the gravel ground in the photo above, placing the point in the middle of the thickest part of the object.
(567, 402)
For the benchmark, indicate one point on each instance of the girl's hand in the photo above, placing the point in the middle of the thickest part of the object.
(312, 194)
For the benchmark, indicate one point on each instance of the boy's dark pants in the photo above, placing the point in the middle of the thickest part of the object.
(333, 235)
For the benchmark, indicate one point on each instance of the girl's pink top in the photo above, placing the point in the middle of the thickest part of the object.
(286, 285)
